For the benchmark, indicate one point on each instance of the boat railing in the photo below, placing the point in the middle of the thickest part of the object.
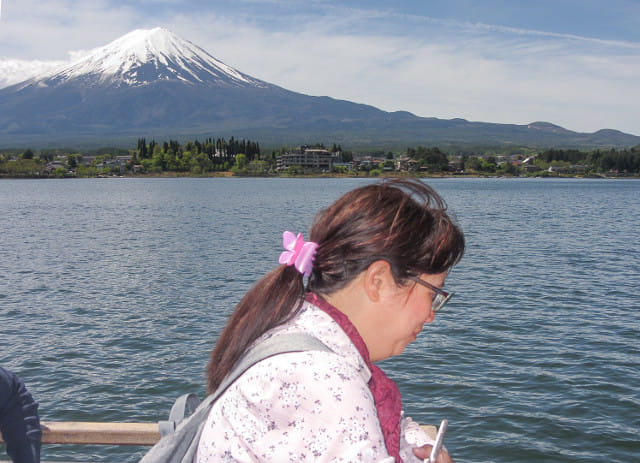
(96, 433)
(100, 433)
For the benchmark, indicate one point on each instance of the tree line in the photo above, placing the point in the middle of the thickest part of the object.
(197, 157)
(240, 156)
(627, 160)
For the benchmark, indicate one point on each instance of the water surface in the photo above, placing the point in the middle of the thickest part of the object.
(113, 291)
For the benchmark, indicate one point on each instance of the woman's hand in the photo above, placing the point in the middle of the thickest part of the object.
(424, 452)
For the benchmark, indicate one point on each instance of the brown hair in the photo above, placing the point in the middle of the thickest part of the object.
(401, 221)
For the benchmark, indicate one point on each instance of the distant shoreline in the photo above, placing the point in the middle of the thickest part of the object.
(337, 176)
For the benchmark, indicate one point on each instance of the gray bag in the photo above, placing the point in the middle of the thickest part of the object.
(181, 435)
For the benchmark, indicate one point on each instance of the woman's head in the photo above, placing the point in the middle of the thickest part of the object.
(402, 222)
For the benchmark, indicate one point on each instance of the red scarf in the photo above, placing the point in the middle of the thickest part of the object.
(386, 394)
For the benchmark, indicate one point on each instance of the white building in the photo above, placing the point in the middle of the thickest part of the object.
(307, 159)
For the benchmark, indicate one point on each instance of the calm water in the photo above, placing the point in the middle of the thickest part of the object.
(112, 293)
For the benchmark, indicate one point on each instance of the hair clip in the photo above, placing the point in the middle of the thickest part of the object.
(299, 252)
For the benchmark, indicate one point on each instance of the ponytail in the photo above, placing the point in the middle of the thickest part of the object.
(273, 300)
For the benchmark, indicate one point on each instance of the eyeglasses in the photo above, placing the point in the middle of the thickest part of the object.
(440, 297)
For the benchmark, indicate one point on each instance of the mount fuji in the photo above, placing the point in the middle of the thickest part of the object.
(143, 57)
(153, 84)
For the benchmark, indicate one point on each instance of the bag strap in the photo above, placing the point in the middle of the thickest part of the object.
(275, 345)
(279, 344)
(179, 412)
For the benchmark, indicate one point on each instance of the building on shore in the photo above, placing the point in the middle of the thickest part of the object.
(308, 159)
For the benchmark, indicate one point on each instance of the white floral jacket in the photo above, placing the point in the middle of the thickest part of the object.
(303, 406)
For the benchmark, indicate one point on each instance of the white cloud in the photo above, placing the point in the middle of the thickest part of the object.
(50, 30)
(13, 71)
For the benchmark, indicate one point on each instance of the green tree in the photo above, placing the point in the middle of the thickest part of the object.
(463, 162)
(258, 167)
(508, 169)
(143, 151)
(432, 158)
(46, 157)
(241, 161)
(59, 172)
(240, 166)
(488, 166)
(72, 160)
(474, 163)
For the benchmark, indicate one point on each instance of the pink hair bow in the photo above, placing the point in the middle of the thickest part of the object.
(298, 252)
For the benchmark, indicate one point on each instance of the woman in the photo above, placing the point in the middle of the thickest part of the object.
(376, 263)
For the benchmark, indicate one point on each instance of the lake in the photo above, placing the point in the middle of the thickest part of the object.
(113, 292)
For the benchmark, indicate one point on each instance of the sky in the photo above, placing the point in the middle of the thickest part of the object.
(574, 63)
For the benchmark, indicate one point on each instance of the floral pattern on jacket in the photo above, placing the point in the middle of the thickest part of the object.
(303, 406)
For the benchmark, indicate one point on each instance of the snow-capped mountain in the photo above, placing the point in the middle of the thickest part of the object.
(153, 84)
(144, 56)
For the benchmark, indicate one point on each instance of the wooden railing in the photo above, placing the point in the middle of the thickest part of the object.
(72, 432)
(84, 432)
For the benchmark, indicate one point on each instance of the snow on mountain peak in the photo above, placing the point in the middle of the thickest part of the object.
(147, 55)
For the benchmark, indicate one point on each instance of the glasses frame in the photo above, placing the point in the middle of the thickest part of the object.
(440, 298)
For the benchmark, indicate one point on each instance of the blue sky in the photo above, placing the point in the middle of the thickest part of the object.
(572, 63)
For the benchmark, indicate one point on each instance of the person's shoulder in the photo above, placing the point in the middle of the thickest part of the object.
(306, 380)
(9, 383)
(310, 364)
(306, 372)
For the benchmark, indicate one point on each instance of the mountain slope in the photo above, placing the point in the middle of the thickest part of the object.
(152, 83)
(142, 57)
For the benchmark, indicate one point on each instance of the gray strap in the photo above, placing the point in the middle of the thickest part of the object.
(179, 412)
(278, 344)
(292, 342)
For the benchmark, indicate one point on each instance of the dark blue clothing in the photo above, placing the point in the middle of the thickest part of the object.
(19, 422)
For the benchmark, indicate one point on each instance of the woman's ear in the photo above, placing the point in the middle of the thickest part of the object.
(376, 278)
